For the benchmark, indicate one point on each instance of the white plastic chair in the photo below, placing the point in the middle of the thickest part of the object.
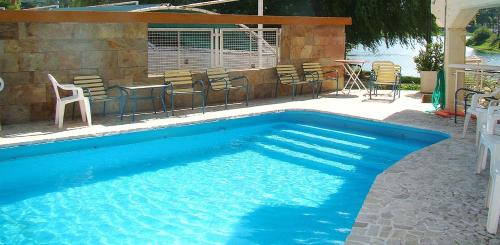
(76, 97)
(478, 111)
(489, 141)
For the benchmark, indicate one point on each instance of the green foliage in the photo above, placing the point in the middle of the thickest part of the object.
(486, 17)
(431, 58)
(374, 21)
(480, 36)
(8, 5)
(410, 80)
(410, 86)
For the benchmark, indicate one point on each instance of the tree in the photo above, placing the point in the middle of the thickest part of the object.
(374, 21)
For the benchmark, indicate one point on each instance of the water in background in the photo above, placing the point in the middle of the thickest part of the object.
(403, 55)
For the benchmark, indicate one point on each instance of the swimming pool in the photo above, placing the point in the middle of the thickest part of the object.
(278, 178)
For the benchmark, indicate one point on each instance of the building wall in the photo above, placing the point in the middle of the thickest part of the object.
(118, 53)
(28, 51)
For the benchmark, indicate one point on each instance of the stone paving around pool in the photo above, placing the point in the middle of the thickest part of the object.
(432, 196)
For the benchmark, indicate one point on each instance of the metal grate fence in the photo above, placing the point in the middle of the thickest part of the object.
(198, 49)
(179, 49)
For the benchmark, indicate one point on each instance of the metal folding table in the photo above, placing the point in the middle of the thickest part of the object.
(353, 73)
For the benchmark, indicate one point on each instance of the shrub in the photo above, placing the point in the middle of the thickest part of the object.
(431, 58)
(410, 80)
(480, 36)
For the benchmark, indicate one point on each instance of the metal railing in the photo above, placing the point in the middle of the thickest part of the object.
(201, 48)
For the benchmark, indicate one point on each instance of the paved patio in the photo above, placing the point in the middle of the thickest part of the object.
(430, 197)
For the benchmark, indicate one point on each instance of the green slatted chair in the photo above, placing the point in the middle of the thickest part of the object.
(219, 80)
(93, 88)
(287, 75)
(181, 82)
(385, 73)
(313, 71)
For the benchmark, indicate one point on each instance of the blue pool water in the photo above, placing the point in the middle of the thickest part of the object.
(279, 178)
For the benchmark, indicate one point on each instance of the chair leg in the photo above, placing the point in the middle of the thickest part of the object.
(313, 88)
(60, 114)
(123, 103)
(162, 100)
(88, 114)
(82, 110)
(337, 88)
(56, 119)
(172, 103)
(203, 103)
(293, 91)
(246, 92)
(482, 154)
(466, 124)
(226, 94)
(153, 100)
(494, 205)
(206, 97)
(134, 106)
(192, 101)
(276, 89)
(73, 111)
(104, 108)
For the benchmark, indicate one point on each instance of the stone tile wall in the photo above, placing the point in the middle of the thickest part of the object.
(118, 53)
(28, 51)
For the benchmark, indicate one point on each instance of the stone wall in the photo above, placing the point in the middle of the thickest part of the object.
(28, 51)
(118, 53)
(323, 44)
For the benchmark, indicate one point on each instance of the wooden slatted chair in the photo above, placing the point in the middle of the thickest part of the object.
(314, 71)
(287, 75)
(385, 73)
(181, 82)
(93, 88)
(219, 80)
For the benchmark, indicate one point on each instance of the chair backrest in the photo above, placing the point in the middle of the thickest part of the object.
(386, 71)
(92, 84)
(313, 71)
(179, 78)
(377, 64)
(217, 77)
(55, 85)
(287, 74)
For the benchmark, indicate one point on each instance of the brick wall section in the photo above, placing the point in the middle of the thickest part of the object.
(28, 51)
(118, 53)
(323, 44)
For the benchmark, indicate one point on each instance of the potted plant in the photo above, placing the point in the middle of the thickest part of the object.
(429, 61)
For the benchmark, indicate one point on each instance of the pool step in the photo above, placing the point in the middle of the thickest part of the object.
(356, 148)
(313, 162)
(376, 142)
(309, 151)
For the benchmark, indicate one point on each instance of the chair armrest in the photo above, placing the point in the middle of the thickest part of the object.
(315, 75)
(243, 78)
(201, 83)
(210, 81)
(122, 90)
(287, 75)
(68, 87)
(476, 97)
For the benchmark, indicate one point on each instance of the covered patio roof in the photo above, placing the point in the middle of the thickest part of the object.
(454, 16)
(459, 12)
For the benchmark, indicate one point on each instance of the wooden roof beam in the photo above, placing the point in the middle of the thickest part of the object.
(165, 18)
